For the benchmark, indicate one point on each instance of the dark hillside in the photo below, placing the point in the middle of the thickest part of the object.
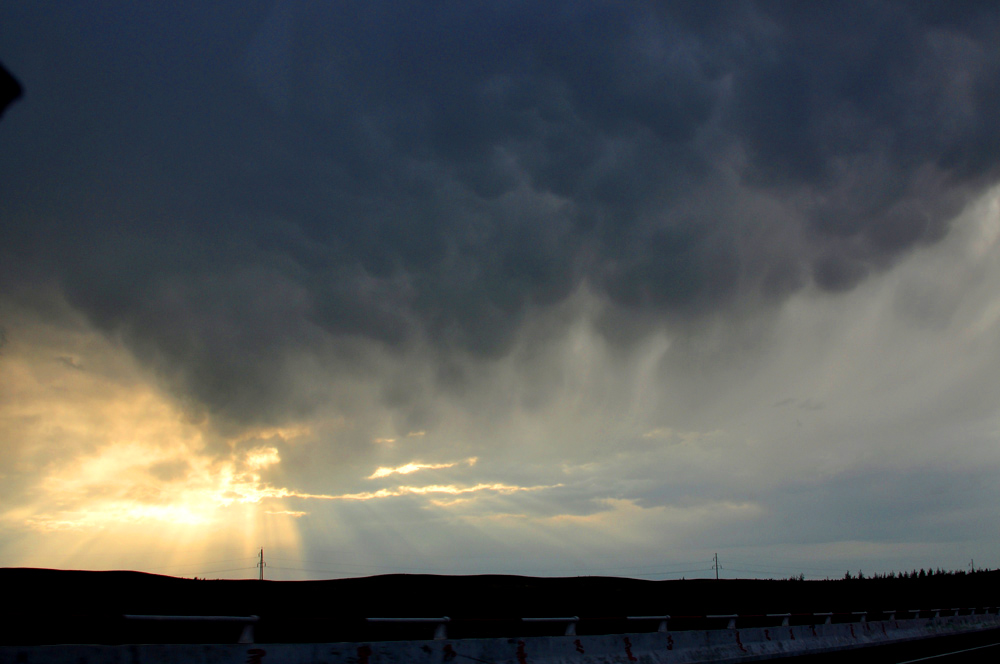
(77, 606)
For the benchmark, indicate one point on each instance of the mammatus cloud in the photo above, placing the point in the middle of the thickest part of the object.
(427, 183)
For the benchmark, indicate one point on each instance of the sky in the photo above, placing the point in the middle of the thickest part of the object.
(547, 288)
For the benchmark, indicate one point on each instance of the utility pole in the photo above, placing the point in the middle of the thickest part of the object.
(716, 566)
(261, 565)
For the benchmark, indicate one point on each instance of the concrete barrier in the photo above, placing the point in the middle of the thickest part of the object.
(717, 645)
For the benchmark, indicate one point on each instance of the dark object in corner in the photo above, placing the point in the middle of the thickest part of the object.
(10, 89)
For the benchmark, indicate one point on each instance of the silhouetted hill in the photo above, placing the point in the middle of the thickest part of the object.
(45, 606)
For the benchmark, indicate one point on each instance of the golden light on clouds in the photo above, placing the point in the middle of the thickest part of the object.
(122, 457)
(261, 457)
(109, 461)
(449, 489)
(414, 466)
(139, 481)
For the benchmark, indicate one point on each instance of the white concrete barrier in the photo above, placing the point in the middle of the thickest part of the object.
(676, 647)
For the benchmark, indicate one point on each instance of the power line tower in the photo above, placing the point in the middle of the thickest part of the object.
(716, 566)
(261, 564)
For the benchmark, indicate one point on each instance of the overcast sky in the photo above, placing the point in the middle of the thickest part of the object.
(534, 287)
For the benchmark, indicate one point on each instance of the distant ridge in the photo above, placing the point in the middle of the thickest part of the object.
(488, 595)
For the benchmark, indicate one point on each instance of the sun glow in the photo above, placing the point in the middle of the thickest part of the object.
(133, 482)
(114, 473)
(111, 458)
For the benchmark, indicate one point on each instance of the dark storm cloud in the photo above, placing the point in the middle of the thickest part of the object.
(237, 189)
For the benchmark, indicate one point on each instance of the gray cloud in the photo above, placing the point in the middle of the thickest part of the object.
(243, 191)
